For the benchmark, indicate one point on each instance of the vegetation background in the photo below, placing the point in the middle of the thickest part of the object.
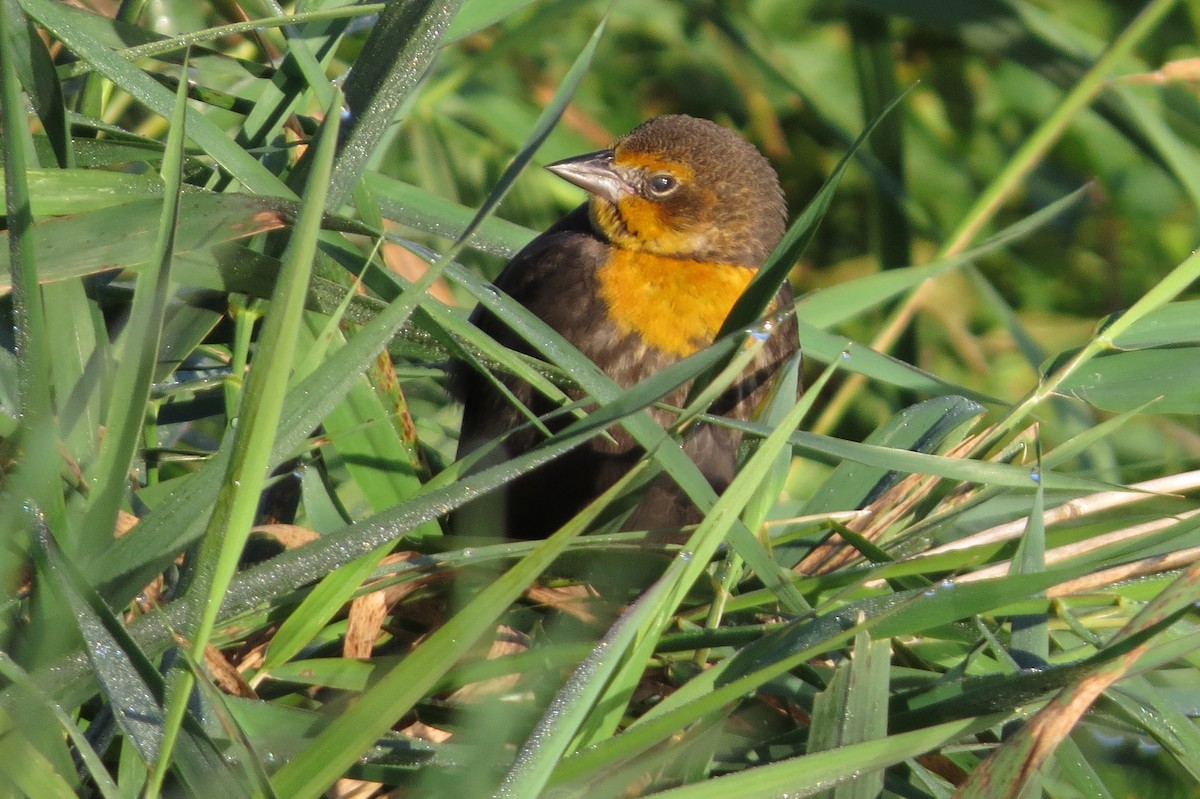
(229, 302)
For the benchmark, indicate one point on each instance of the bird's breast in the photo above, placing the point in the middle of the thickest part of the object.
(674, 305)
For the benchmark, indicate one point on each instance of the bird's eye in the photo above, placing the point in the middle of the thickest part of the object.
(662, 185)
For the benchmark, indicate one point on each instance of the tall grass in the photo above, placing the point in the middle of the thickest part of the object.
(962, 564)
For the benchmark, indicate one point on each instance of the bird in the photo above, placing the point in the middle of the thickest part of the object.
(681, 214)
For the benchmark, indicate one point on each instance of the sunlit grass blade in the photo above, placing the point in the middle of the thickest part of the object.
(173, 44)
(829, 306)
(315, 611)
(255, 429)
(123, 236)
(822, 770)
(425, 211)
(1175, 282)
(923, 428)
(137, 352)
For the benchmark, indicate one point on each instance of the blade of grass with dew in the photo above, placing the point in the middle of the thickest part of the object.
(921, 427)
(129, 682)
(1171, 325)
(971, 471)
(785, 387)
(182, 41)
(137, 352)
(1159, 716)
(60, 192)
(862, 360)
(576, 700)
(236, 746)
(22, 272)
(318, 607)
(427, 212)
(259, 415)
(1149, 378)
(278, 100)
(399, 50)
(35, 478)
(852, 709)
(810, 774)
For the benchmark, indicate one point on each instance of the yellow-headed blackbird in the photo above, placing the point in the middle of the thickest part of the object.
(682, 213)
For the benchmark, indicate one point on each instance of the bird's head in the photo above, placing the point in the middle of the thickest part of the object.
(682, 187)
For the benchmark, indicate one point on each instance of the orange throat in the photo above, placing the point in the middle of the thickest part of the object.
(673, 304)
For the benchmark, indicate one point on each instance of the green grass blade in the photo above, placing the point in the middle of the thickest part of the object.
(29, 58)
(1034, 149)
(811, 774)
(137, 353)
(1030, 639)
(402, 44)
(258, 418)
(130, 683)
(853, 709)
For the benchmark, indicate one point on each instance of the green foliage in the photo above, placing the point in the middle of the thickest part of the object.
(963, 563)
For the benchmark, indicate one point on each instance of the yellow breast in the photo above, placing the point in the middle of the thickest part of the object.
(674, 304)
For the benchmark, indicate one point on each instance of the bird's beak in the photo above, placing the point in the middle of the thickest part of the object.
(594, 173)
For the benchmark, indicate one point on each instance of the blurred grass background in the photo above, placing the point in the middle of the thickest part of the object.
(903, 652)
